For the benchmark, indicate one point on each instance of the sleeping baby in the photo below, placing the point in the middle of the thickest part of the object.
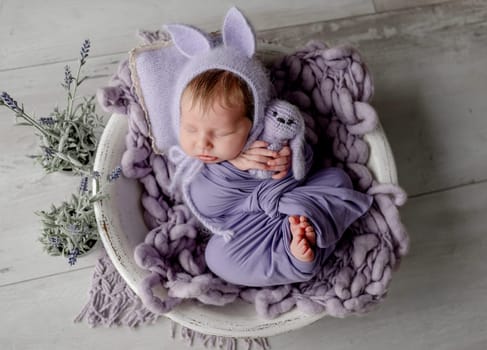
(273, 222)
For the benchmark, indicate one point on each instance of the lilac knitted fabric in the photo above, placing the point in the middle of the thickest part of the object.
(331, 86)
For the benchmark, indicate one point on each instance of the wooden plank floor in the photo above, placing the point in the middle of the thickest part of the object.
(429, 61)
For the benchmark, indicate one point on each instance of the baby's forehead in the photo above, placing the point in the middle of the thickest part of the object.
(191, 106)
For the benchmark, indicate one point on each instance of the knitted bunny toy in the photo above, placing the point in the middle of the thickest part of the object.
(283, 123)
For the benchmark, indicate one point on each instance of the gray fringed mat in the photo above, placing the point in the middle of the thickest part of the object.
(112, 303)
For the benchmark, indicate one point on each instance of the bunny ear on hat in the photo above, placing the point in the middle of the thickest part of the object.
(238, 33)
(189, 40)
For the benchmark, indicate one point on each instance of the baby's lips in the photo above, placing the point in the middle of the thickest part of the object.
(205, 158)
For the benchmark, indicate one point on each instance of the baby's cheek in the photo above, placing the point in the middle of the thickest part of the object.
(230, 151)
(185, 143)
(239, 146)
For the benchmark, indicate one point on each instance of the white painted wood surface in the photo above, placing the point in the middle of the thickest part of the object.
(429, 65)
(35, 32)
(388, 5)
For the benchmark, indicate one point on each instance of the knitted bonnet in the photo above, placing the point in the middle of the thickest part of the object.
(162, 73)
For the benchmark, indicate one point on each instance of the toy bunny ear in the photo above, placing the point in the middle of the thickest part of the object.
(298, 152)
(238, 33)
(189, 40)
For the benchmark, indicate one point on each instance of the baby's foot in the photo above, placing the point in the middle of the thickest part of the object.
(303, 238)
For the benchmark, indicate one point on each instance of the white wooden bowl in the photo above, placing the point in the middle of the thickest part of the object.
(122, 228)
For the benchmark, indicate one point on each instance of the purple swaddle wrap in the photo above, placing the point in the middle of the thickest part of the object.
(331, 87)
(257, 211)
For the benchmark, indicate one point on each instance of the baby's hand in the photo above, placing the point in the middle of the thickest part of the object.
(259, 157)
(281, 163)
(256, 157)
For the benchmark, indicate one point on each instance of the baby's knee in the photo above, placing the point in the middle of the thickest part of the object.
(228, 262)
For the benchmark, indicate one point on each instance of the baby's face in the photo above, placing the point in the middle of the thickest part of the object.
(213, 136)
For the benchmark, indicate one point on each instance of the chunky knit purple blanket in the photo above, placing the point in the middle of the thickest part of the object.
(332, 87)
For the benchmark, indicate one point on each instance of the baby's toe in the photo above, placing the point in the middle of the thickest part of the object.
(293, 220)
(307, 254)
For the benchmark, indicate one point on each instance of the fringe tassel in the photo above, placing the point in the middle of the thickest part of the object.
(112, 302)
(189, 336)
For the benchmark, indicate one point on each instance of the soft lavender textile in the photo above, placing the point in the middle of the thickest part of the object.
(331, 87)
(259, 254)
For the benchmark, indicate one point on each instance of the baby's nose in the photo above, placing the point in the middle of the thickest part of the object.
(204, 143)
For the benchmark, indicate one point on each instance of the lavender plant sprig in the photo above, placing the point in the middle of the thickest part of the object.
(68, 79)
(69, 136)
(83, 55)
(70, 226)
(7, 101)
(70, 229)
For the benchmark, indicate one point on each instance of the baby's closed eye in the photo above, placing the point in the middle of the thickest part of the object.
(224, 133)
(189, 129)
